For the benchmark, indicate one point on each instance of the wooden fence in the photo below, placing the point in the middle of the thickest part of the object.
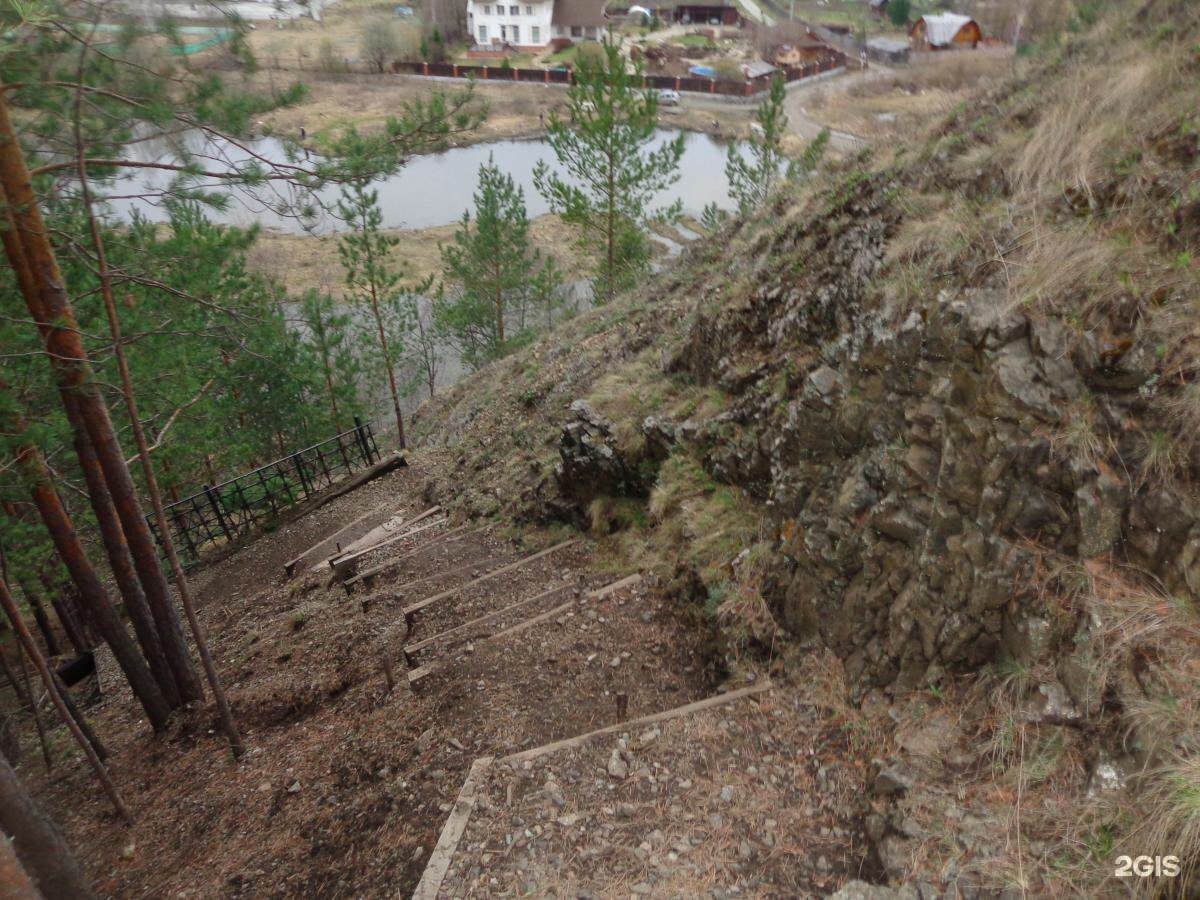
(220, 513)
(691, 84)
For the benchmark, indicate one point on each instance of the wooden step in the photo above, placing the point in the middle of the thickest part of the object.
(379, 535)
(368, 575)
(340, 538)
(495, 573)
(429, 668)
(434, 875)
(483, 620)
(344, 566)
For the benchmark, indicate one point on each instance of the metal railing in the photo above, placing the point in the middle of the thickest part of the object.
(220, 513)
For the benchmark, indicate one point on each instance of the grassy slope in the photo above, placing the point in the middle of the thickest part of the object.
(1075, 183)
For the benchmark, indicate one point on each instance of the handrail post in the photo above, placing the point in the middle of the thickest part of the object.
(185, 533)
(362, 440)
(214, 500)
(298, 462)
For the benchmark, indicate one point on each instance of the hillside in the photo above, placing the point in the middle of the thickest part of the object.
(933, 413)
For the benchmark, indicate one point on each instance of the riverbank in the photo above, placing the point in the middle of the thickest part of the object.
(302, 261)
(339, 101)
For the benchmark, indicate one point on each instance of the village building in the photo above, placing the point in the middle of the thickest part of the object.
(534, 24)
(698, 12)
(579, 20)
(517, 24)
(945, 31)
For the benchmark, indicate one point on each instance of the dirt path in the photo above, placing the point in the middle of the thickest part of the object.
(347, 785)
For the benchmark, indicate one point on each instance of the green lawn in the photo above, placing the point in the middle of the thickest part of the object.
(564, 57)
(692, 40)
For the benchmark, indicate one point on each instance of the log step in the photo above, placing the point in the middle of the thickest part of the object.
(495, 573)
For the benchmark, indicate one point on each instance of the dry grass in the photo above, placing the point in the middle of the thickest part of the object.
(306, 261)
(1094, 113)
(1068, 268)
(1147, 655)
(916, 95)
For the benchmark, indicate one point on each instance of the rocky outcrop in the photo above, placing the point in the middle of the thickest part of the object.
(590, 465)
(920, 464)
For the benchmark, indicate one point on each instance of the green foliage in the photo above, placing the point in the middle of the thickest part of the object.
(374, 281)
(755, 171)
(729, 70)
(611, 176)
(899, 12)
(330, 350)
(500, 282)
(712, 217)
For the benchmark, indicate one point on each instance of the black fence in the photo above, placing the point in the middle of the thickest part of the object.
(221, 513)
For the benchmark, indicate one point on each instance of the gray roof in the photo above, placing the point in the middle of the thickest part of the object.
(579, 12)
(757, 68)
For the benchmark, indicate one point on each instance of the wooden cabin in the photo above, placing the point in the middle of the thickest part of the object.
(945, 31)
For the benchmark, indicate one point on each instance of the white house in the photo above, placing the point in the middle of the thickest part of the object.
(533, 24)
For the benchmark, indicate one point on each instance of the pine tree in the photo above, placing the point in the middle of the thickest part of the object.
(327, 341)
(610, 176)
(496, 274)
(757, 168)
(371, 277)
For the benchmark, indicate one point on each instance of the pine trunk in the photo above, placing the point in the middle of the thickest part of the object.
(15, 883)
(91, 591)
(122, 568)
(66, 609)
(34, 600)
(38, 842)
(86, 741)
(41, 284)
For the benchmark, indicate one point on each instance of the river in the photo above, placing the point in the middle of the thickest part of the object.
(430, 190)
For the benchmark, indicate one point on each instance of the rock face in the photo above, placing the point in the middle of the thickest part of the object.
(590, 465)
(919, 462)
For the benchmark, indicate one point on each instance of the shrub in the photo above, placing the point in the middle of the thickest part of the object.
(380, 44)
(729, 70)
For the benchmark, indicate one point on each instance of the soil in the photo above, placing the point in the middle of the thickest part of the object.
(760, 797)
(345, 786)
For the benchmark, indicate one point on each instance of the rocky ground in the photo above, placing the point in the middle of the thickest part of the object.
(759, 797)
(346, 784)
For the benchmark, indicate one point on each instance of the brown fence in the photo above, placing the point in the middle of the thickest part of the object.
(691, 84)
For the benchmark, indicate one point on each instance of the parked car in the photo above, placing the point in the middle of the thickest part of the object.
(668, 97)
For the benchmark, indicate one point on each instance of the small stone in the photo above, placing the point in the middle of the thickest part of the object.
(893, 780)
(456, 744)
(616, 661)
(294, 787)
(727, 794)
(617, 767)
